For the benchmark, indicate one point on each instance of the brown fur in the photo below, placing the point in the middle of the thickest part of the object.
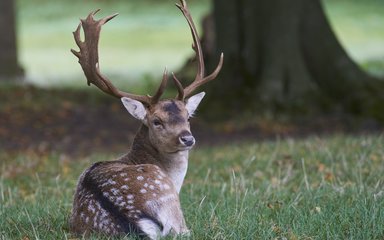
(101, 202)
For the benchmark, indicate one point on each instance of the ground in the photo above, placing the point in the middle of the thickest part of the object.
(82, 121)
(324, 182)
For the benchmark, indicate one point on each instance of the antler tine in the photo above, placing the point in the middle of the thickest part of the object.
(179, 87)
(161, 88)
(89, 59)
(199, 79)
(196, 40)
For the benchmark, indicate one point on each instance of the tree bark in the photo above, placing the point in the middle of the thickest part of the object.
(284, 55)
(9, 65)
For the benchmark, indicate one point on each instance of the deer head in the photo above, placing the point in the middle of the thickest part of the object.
(167, 120)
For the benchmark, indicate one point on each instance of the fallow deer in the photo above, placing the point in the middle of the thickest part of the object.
(139, 192)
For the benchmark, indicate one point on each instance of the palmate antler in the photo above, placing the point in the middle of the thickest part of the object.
(200, 78)
(89, 60)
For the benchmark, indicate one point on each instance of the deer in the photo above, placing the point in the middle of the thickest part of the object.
(138, 193)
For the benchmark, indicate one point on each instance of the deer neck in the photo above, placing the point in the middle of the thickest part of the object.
(143, 152)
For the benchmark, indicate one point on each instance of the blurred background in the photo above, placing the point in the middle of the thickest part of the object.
(290, 141)
(289, 136)
(290, 69)
(149, 35)
(146, 37)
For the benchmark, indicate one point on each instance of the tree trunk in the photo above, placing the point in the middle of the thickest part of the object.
(9, 66)
(284, 55)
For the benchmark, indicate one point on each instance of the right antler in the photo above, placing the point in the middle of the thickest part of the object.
(89, 60)
(200, 78)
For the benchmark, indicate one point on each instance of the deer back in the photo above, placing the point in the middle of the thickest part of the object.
(114, 198)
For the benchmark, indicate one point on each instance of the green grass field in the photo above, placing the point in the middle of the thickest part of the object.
(315, 188)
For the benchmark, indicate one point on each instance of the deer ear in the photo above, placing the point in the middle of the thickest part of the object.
(135, 108)
(193, 102)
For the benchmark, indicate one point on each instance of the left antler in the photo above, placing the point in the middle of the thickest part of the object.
(200, 78)
(89, 60)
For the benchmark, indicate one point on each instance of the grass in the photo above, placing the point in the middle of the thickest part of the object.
(149, 35)
(315, 188)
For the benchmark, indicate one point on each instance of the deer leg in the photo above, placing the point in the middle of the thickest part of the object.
(169, 216)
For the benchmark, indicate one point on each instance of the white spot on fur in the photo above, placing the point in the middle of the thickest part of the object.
(125, 187)
(126, 179)
(157, 182)
(123, 174)
(104, 213)
(115, 191)
(105, 222)
(145, 184)
(130, 196)
(91, 208)
(109, 182)
(151, 187)
(143, 190)
(140, 178)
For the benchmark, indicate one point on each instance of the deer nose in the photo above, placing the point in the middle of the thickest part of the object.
(187, 139)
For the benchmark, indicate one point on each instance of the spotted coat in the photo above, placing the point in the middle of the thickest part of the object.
(116, 198)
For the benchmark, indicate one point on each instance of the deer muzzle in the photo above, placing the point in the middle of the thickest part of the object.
(186, 139)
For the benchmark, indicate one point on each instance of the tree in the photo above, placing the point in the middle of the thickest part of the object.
(285, 54)
(9, 66)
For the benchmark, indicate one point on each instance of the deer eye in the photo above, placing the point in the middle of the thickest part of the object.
(157, 123)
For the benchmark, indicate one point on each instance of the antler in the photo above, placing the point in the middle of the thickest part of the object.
(89, 60)
(200, 79)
